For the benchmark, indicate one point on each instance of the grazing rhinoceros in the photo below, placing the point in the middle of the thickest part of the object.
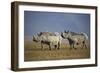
(51, 39)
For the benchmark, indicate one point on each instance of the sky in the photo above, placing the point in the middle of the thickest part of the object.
(36, 21)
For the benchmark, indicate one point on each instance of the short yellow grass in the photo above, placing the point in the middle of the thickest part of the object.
(33, 52)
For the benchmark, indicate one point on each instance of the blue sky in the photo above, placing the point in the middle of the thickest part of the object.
(35, 21)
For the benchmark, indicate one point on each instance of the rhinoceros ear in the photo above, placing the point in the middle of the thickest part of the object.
(33, 37)
(38, 34)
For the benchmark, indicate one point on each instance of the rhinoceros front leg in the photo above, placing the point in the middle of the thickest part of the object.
(58, 45)
(41, 45)
(49, 46)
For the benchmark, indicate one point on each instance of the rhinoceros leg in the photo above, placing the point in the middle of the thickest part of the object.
(84, 45)
(49, 46)
(41, 45)
(55, 46)
(58, 45)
